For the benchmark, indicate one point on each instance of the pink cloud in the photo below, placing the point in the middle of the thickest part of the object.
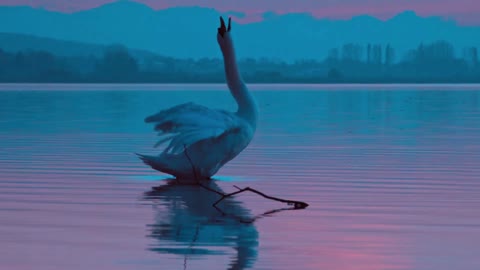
(464, 11)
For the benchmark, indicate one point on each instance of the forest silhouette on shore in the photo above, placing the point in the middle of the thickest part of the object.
(435, 62)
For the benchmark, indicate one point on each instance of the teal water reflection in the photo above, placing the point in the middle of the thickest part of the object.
(391, 176)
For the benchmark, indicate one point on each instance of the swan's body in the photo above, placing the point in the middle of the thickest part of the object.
(201, 140)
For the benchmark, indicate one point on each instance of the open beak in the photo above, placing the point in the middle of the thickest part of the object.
(222, 29)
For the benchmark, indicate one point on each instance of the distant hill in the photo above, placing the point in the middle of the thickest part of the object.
(20, 42)
(12, 42)
(189, 32)
(27, 58)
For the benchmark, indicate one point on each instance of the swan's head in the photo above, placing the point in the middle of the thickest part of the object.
(224, 36)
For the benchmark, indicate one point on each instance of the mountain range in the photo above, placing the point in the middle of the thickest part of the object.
(190, 32)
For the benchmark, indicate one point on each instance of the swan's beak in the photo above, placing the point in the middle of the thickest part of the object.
(222, 23)
(223, 28)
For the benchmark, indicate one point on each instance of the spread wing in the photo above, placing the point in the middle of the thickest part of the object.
(186, 124)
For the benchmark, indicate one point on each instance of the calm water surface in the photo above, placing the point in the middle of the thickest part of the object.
(392, 177)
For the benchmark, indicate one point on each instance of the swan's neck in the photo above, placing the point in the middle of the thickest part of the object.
(247, 107)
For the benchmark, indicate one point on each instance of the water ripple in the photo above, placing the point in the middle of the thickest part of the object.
(391, 176)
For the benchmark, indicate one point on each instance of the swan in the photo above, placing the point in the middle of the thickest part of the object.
(201, 140)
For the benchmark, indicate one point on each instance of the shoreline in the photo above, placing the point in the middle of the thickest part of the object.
(223, 86)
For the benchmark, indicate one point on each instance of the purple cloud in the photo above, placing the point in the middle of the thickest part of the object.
(463, 11)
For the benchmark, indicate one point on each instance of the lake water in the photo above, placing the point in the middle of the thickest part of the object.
(391, 173)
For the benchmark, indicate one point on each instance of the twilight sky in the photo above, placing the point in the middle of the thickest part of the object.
(464, 11)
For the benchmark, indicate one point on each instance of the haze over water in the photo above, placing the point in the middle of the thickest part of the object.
(391, 174)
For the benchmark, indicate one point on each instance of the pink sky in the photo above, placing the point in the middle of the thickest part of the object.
(464, 11)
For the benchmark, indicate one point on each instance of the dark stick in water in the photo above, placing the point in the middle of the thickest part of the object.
(296, 204)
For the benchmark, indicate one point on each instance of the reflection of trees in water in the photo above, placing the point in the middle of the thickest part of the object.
(186, 224)
(369, 112)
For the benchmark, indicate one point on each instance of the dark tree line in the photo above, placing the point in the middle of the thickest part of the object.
(435, 62)
(372, 63)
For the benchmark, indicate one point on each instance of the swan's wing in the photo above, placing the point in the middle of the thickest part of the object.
(188, 123)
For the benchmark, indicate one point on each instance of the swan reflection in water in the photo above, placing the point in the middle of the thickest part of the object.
(187, 225)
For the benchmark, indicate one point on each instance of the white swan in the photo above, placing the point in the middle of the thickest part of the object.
(203, 137)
